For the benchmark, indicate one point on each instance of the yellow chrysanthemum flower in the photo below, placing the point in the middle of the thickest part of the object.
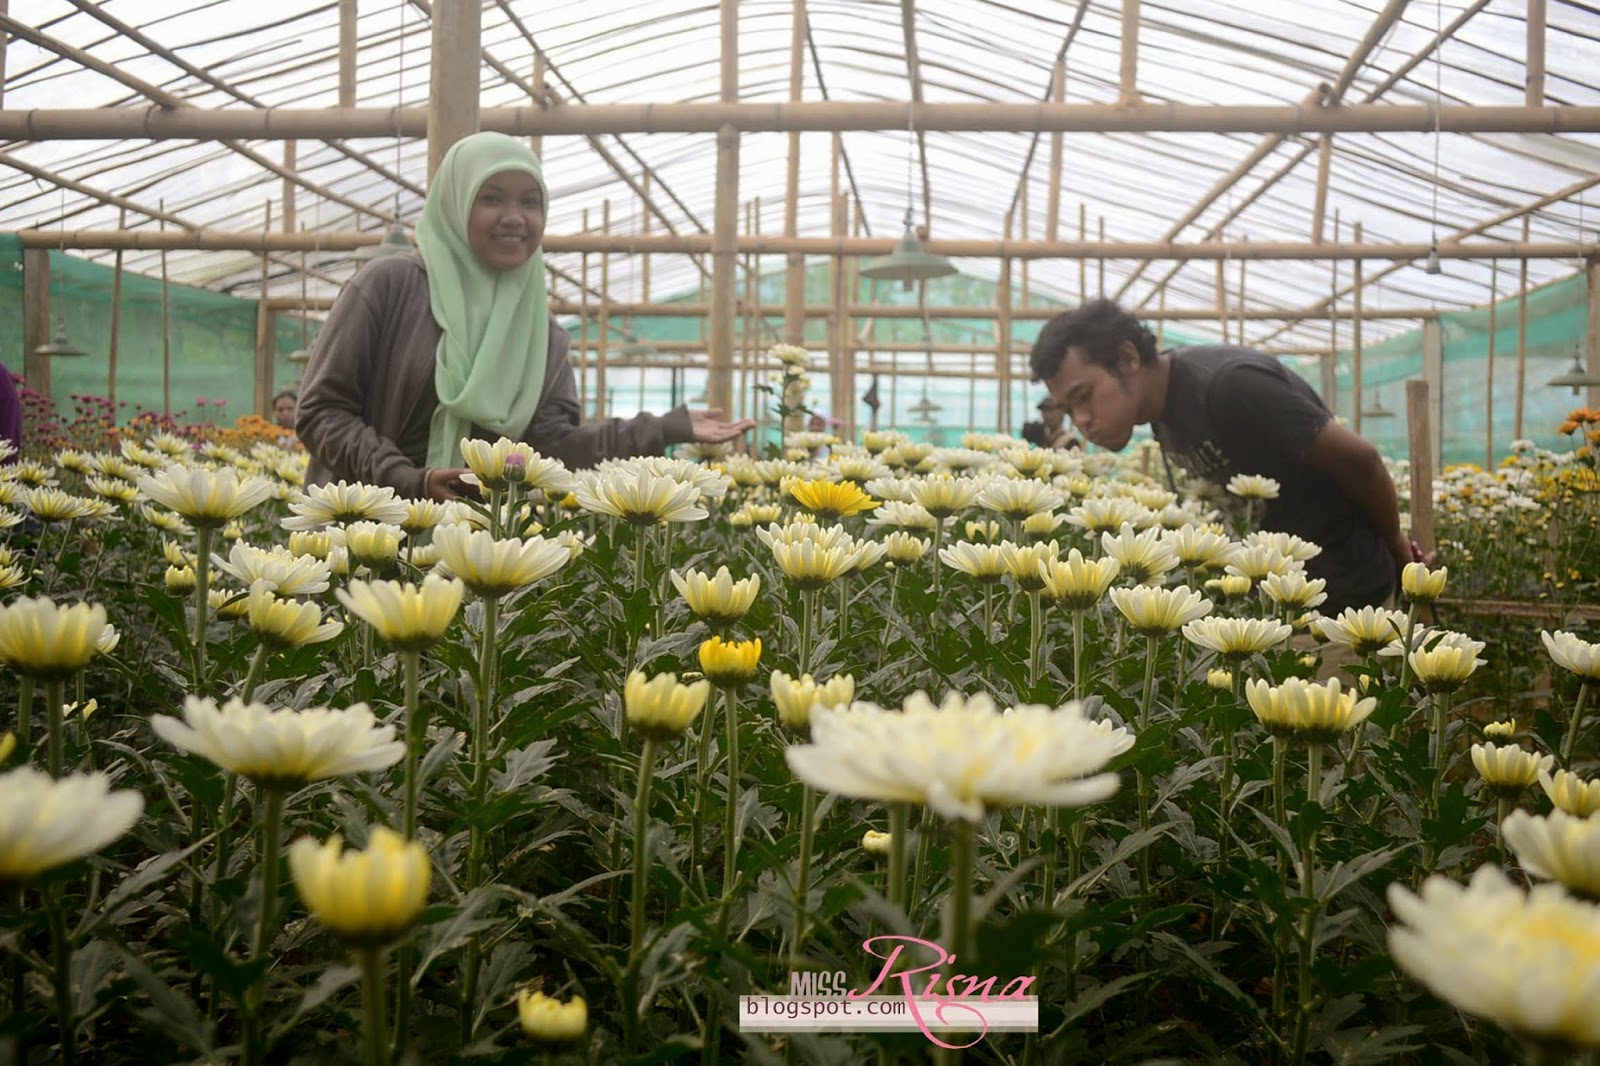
(366, 898)
(550, 1021)
(794, 697)
(405, 616)
(717, 598)
(831, 499)
(659, 707)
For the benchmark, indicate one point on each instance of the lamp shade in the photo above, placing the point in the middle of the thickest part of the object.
(59, 344)
(1576, 377)
(924, 409)
(395, 241)
(908, 262)
(299, 355)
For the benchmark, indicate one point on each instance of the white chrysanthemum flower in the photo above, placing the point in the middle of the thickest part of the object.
(285, 572)
(286, 623)
(794, 697)
(1297, 548)
(375, 545)
(282, 748)
(1571, 793)
(1108, 514)
(1023, 561)
(718, 597)
(903, 548)
(985, 562)
(1308, 711)
(1572, 653)
(943, 496)
(1557, 847)
(46, 822)
(48, 641)
(205, 497)
(1445, 663)
(1142, 555)
(1199, 548)
(1153, 612)
(405, 616)
(1295, 590)
(961, 758)
(493, 567)
(1253, 487)
(1235, 638)
(898, 514)
(639, 498)
(1019, 499)
(1076, 583)
(1260, 561)
(1422, 585)
(1529, 962)
(1508, 770)
(342, 502)
(1364, 629)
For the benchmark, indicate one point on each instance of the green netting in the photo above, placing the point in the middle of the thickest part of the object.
(1557, 324)
(213, 339)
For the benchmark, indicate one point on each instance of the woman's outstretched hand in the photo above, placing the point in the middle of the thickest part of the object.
(710, 428)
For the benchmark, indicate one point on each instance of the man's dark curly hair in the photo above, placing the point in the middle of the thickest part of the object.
(1098, 327)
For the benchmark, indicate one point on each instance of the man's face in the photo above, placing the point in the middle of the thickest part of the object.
(1052, 414)
(1101, 405)
(283, 411)
(507, 220)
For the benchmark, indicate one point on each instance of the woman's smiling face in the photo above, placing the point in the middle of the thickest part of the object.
(507, 220)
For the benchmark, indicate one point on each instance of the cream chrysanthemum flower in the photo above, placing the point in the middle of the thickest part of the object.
(1023, 562)
(375, 545)
(812, 563)
(1446, 663)
(1306, 711)
(405, 616)
(876, 842)
(46, 822)
(1259, 561)
(113, 489)
(365, 898)
(1142, 555)
(1297, 549)
(1294, 590)
(500, 464)
(943, 496)
(53, 505)
(316, 543)
(493, 567)
(794, 697)
(985, 562)
(1043, 524)
(48, 641)
(1108, 514)
(1422, 585)
(962, 758)
(1529, 962)
(1364, 629)
(1557, 847)
(903, 548)
(1199, 548)
(550, 1021)
(901, 514)
(1153, 612)
(660, 708)
(1503, 730)
(1237, 638)
(286, 623)
(1076, 583)
(1253, 487)
(729, 662)
(29, 472)
(1220, 679)
(285, 572)
(1508, 770)
(1573, 654)
(1571, 793)
(1019, 499)
(282, 749)
(207, 498)
(421, 516)
(343, 502)
(639, 497)
(718, 598)
(1230, 586)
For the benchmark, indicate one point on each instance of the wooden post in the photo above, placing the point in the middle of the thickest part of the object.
(972, 395)
(1319, 209)
(266, 343)
(288, 187)
(602, 344)
(1221, 286)
(1128, 81)
(794, 318)
(1488, 376)
(848, 336)
(583, 328)
(644, 223)
(453, 82)
(725, 227)
(1240, 324)
(166, 326)
(1433, 374)
(349, 42)
(1052, 214)
(1083, 264)
(4, 10)
(1422, 464)
(1592, 340)
(1522, 341)
(1330, 368)
(838, 323)
(1101, 259)
(1161, 321)
(37, 328)
(1357, 395)
(752, 303)
(1003, 346)
(116, 317)
(1535, 68)
(1024, 233)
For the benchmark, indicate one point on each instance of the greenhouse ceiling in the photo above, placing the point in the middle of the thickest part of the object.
(1150, 184)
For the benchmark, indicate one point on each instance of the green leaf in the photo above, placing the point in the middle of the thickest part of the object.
(170, 1010)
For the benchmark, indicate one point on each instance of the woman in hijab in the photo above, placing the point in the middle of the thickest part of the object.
(455, 340)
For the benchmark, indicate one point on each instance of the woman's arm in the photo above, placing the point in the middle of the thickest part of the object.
(348, 399)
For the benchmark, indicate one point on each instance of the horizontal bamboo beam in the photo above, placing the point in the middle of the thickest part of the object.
(1036, 314)
(156, 123)
(758, 244)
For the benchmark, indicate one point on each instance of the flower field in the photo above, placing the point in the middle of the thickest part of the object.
(317, 775)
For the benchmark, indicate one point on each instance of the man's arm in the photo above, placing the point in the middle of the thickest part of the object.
(1357, 466)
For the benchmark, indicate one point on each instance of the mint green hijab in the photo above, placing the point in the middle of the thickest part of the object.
(490, 366)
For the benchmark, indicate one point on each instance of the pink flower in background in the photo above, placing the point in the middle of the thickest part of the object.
(200, 401)
(219, 402)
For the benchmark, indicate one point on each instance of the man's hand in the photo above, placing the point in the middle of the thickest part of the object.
(444, 483)
(709, 427)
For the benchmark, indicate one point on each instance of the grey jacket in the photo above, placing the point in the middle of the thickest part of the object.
(368, 394)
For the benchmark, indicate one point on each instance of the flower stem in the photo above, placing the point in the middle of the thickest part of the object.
(271, 832)
(55, 691)
(959, 902)
(1308, 921)
(258, 664)
(25, 710)
(1405, 656)
(480, 787)
(703, 764)
(374, 1003)
(1502, 808)
(202, 581)
(1035, 636)
(1441, 712)
(1077, 655)
(988, 612)
(730, 813)
(416, 735)
(808, 610)
(899, 820)
(802, 881)
(641, 865)
(61, 971)
(1571, 739)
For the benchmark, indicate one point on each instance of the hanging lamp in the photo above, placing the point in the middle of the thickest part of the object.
(1377, 410)
(1577, 376)
(59, 344)
(909, 261)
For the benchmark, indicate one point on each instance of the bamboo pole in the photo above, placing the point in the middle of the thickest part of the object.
(1101, 259)
(1128, 70)
(1025, 231)
(1522, 341)
(795, 277)
(349, 42)
(5, 9)
(827, 116)
(1003, 346)
(644, 224)
(583, 335)
(116, 319)
(1421, 442)
(1535, 64)
(751, 302)
(1592, 339)
(1320, 207)
(453, 83)
(1161, 318)
(1330, 369)
(1488, 377)
(265, 341)
(1357, 396)
(860, 247)
(1220, 285)
(536, 142)
(603, 322)
(1058, 94)
(1083, 263)
(289, 153)
(839, 324)
(849, 335)
(166, 328)
(37, 328)
(725, 235)
(1239, 321)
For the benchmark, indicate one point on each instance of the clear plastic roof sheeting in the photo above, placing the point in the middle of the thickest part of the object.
(1138, 187)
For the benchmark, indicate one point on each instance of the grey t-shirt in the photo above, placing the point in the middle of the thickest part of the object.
(1234, 411)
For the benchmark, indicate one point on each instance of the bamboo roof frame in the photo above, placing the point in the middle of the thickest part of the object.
(1125, 96)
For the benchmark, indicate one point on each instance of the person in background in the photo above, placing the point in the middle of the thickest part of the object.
(821, 422)
(10, 416)
(1051, 430)
(1220, 410)
(455, 339)
(283, 408)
